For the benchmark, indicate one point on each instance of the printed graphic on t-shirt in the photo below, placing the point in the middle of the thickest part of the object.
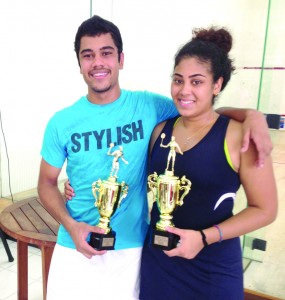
(121, 135)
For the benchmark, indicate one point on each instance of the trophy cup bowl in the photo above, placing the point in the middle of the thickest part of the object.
(166, 190)
(108, 195)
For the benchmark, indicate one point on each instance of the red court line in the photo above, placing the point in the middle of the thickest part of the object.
(265, 68)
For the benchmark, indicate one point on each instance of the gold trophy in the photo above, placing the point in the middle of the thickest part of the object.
(108, 195)
(166, 191)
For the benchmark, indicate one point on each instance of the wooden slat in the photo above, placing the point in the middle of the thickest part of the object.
(36, 220)
(17, 204)
(22, 220)
(52, 223)
(6, 218)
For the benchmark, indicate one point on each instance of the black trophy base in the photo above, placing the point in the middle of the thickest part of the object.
(164, 240)
(101, 241)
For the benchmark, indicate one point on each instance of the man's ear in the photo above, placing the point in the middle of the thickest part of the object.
(122, 57)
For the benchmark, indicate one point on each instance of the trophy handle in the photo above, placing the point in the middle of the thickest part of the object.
(124, 192)
(96, 186)
(152, 184)
(186, 186)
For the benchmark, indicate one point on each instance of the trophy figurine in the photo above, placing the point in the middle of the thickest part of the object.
(166, 191)
(108, 195)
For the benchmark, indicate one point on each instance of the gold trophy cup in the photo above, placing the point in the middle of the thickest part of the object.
(166, 189)
(108, 195)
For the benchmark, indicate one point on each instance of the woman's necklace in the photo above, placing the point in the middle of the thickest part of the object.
(189, 138)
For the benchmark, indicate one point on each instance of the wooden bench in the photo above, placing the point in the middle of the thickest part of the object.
(28, 222)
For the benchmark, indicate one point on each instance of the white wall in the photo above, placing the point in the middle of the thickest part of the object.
(39, 72)
(38, 76)
(153, 30)
(273, 81)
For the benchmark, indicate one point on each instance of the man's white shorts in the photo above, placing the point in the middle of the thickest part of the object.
(113, 275)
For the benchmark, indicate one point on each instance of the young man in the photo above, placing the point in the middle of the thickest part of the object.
(82, 134)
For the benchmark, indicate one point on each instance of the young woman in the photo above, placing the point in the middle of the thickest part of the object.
(207, 264)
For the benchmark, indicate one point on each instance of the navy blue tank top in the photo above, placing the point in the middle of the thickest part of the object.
(216, 272)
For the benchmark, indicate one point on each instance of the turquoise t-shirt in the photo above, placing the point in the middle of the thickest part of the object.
(82, 133)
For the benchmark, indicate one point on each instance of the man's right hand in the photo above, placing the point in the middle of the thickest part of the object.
(79, 230)
(79, 234)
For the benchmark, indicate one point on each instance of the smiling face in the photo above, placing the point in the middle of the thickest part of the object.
(99, 65)
(192, 87)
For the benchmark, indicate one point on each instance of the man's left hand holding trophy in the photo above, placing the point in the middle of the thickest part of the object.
(108, 195)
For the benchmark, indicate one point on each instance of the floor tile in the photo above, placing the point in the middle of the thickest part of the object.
(8, 283)
(4, 262)
(8, 273)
